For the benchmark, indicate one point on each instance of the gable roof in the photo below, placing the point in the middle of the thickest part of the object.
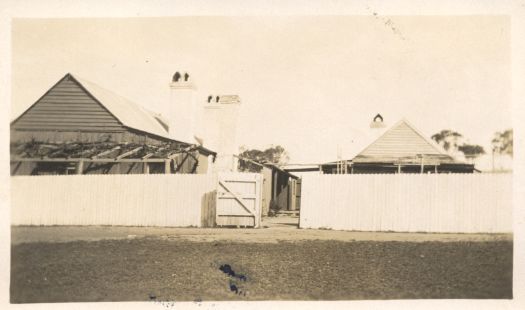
(401, 141)
(127, 112)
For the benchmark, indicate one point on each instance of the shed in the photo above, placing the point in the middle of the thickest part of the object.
(283, 194)
(280, 188)
(78, 127)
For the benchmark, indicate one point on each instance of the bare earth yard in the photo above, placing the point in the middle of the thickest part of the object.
(139, 264)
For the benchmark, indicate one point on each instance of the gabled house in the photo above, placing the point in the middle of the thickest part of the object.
(401, 148)
(78, 127)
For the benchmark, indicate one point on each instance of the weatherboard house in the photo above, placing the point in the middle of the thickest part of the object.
(78, 127)
(400, 148)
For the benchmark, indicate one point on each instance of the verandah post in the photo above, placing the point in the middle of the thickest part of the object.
(80, 167)
(167, 168)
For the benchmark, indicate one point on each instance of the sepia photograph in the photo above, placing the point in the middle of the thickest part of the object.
(211, 158)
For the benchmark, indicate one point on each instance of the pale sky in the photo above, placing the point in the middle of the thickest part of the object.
(306, 83)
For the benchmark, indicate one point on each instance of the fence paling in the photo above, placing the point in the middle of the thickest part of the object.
(416, 203)
(143, 200)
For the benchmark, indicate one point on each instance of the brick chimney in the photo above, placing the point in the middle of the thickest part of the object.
(182, 109)
(220, 117)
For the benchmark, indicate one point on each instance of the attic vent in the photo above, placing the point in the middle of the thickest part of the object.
(176, 77)
(378, 118)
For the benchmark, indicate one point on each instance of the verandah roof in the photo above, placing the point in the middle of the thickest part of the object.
(97, 150)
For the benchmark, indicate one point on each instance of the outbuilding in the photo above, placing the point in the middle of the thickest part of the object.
(78, 127)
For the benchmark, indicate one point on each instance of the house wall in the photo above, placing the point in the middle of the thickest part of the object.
(461, 203)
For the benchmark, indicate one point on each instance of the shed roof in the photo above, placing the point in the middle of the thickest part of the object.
(274, 167)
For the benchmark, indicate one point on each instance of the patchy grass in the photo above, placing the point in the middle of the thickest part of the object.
(137, 269)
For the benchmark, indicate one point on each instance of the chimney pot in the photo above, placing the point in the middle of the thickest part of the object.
(377, 122)
(176, 77)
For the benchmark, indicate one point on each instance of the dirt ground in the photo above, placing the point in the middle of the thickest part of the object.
(280, 262)
(167, 270)
(275, 229)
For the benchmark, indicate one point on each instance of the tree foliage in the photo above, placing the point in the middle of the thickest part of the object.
(503, 142)
(471, 150)
(274, 154)
(451, 141)
(448, 139)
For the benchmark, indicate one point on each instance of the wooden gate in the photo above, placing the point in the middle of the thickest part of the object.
(239, 199)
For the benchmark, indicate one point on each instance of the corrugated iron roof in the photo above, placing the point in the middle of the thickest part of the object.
(127, 112)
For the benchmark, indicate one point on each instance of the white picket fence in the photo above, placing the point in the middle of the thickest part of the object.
(466, 203)
(130, 200)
